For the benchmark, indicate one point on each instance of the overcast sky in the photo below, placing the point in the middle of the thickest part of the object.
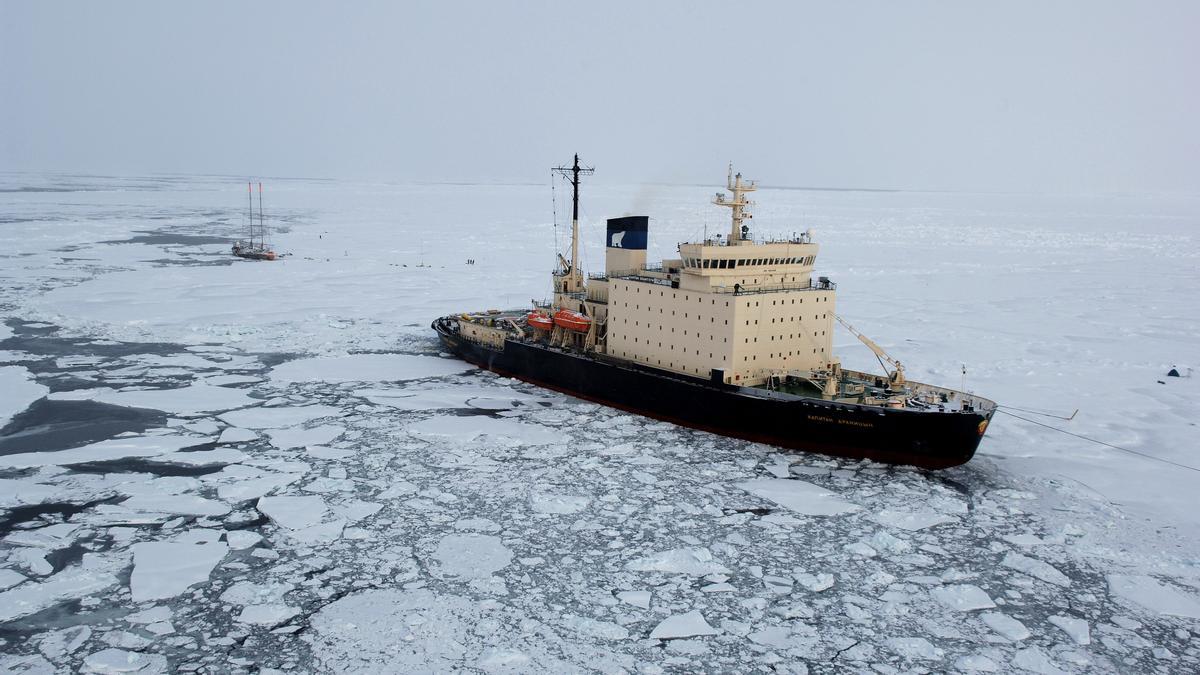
(1043, 96)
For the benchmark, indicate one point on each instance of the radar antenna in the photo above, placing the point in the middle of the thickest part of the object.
(738, 205)
(574, 281)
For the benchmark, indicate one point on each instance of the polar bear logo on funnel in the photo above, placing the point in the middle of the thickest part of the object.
(616, 239)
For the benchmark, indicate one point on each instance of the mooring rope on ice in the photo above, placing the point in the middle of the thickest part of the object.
(1099, 442)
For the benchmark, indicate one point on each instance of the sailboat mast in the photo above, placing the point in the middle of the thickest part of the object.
(250, 211)
(262, 229)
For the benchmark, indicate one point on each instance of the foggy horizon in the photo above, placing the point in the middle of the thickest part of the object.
(1019, 98)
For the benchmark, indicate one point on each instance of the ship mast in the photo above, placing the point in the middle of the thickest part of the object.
(262, 230)
(250, 212)
(735, 184)
(572, 173)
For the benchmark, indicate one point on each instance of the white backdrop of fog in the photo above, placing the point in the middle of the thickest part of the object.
(1024, 96)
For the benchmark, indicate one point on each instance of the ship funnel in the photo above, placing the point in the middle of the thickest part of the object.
(625, 244)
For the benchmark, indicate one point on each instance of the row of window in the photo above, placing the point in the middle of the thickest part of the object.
(687, 297)
(617, 336)
(755, 358)
(790, 337)
(729, 264)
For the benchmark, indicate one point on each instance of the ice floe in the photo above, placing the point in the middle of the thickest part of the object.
(1150, 593)
(798, 496)
(471, 556)
(1078, 629)
(116, 448)
(691, 561)
(508, 430)
(113, 661)
(689, 624)
(1035, 568)
(366, 368)
(962, 597)
(164, 569)
(236, 435)
(71, 583)
(556, 503)
(191, 400)
(911, 521)
(278, 417)
(296, 438)
(17, 390)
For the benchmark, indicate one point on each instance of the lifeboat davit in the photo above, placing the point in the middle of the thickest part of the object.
(572, 320)
(540, 321)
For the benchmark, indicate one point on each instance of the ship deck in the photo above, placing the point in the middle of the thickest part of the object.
(855, 387)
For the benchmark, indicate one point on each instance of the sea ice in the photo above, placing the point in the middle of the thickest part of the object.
(115, 448)
(114, 661)
(635, 598)
(805, 498)
(472, 556)
(692, 561)
(9, 578)
(512, 431)
(235, 435)
(1078, 629)
(1153, 595)
(296, 438)
(1035, 568)
(32, 597)
(911, 521)
(275, 418)
(366, 368)
(17, 390)
(294, 512)
(176, 504)
(267, 615)
(1035, 660)
(1005, 625)
(191, 400)
(914, 648)
(604, 630)
(962, 597)
(559, 504)
(164, 569)
(681, 626)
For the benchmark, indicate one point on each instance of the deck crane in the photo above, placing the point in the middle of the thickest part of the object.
(896, 374)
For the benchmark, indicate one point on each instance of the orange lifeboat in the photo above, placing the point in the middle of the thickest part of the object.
(540, 321)
(572, 320)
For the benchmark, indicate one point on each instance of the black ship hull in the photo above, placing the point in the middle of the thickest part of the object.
(931, 440)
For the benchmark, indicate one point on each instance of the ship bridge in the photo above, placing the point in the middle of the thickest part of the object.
(730, 309)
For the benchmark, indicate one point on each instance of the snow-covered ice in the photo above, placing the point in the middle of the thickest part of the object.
(366, 368)
(164, 569)
(17, 391)
(688, 624)
(801, 497)
(1152, 594)
(372, 505)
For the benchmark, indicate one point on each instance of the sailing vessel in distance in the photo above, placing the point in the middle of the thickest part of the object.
(734, 336)
(255, 246)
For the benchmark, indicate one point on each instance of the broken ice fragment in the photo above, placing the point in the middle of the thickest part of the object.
(267, 615)
(635, 598)
(1008, 627)
(963, 597)
(1035, 568)
(1078, 629)
(694, 561)
(682, 626)
(805, 498)
(164, 569)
